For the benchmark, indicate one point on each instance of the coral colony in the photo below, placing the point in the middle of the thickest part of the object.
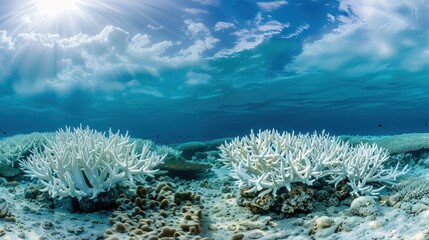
(84, 162)
(271, 160)
(174, 192)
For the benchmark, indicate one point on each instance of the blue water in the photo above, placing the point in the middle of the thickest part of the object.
(176, 71)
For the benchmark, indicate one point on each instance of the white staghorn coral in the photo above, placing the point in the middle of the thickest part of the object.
(84, 162)
(17, 147)
(364, 164)
(271, 160)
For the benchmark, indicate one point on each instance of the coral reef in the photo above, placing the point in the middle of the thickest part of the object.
(7, 171)
(5, 212)
(395, 144)
(191, 149)
(411, 189)
(411, 195)
(363, 206)
(159, 149)
(271, 160)
(183, 168)
(34, 192)
(156, 213)
(292, 186)
(16, 148)
(83, 162)
(298, 200)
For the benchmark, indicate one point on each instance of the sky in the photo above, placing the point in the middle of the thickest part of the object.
(176, 70)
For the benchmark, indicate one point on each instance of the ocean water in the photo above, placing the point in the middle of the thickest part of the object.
(212, 69)
(180, 72)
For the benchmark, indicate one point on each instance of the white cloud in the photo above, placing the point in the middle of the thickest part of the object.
(140, 45)
(273, 26)
(247, 40)
(213, 94)
(152, 27)
(383, 13)
(330, 17)
(207, 2)
(47, 40)
(196, 28)
(203, 41)
(298, 31)
(253, 37)
(106, 61)
(195, 11)
(148, 90)
(194, 78)
(220, 26)
(71, 77)
(375, 36)
(193, 53)
(6, 50)
(6, 41)
(271, 6)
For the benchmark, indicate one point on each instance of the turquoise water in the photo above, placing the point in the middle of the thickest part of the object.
(174, 71)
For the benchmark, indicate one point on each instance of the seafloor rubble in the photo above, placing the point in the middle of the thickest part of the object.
(210, 206)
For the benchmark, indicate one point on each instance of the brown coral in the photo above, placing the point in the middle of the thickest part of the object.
(299, 199)
(6, 213)
(260, 204)
(155, 218)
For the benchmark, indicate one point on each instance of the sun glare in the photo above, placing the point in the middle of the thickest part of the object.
(71, 17)
(56, 7)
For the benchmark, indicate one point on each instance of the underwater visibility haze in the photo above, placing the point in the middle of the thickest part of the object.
(180, 70)
(214, 119)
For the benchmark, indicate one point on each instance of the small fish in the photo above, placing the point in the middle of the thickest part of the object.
(4, 132)
(426, 124)
(380, 125)
(179, 136)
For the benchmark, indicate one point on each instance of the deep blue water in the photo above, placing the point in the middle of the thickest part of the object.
(177, 71)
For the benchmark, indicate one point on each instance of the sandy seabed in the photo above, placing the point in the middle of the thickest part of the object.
(223, 219)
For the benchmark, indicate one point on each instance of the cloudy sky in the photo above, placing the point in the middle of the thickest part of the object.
(211, 68)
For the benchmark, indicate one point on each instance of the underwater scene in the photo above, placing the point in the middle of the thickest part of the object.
(214, 119)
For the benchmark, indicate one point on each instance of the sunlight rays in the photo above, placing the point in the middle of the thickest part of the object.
(53, 16)
(71, 17)
(56, 7)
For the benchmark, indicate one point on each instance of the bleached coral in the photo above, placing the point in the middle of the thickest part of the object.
(362, 165)
(83, 162)
(412, 189)
(17, 147)
(395, 144)
(160, 149)
(271, 160)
